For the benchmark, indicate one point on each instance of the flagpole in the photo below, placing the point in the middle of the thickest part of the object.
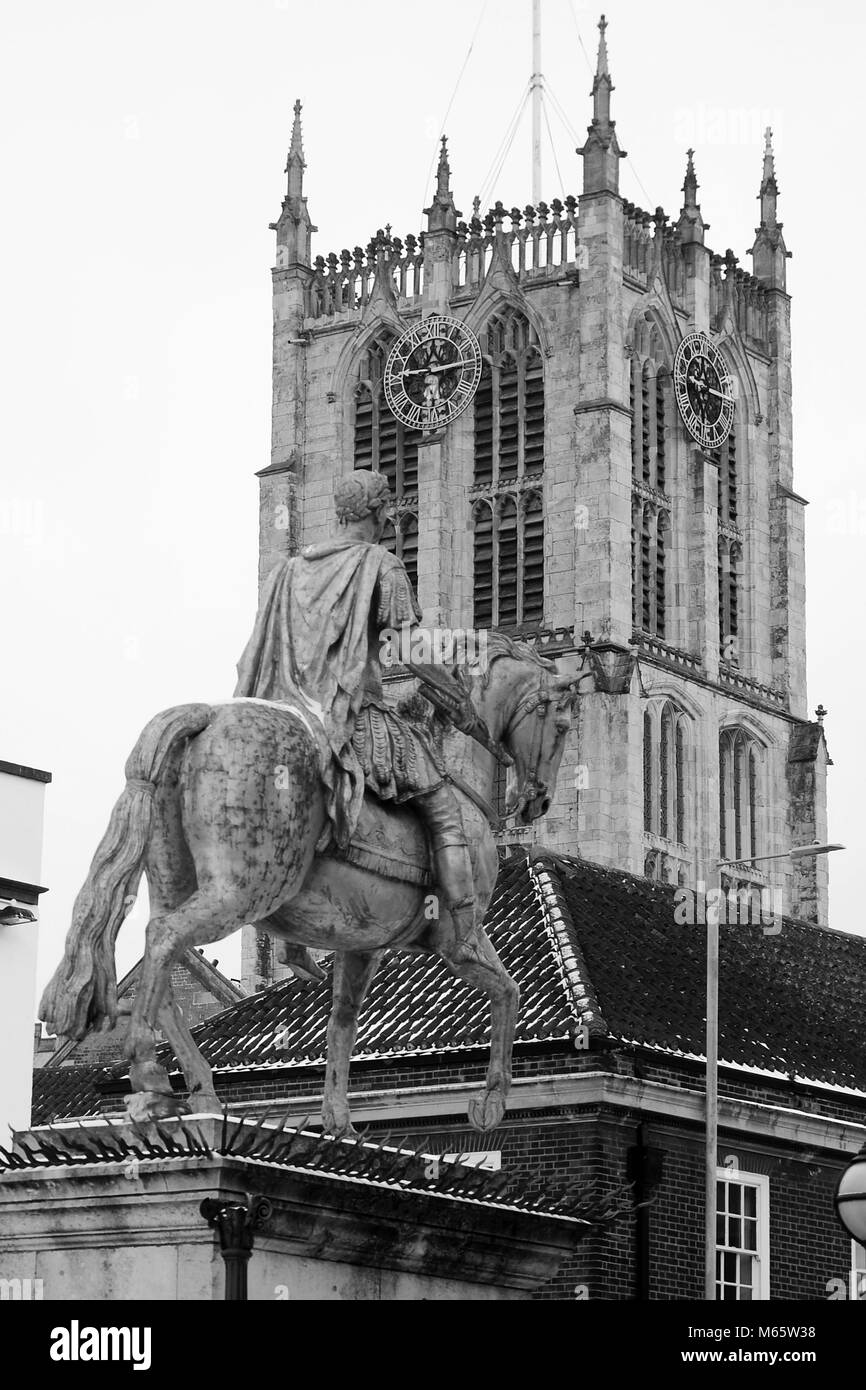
(536, 86)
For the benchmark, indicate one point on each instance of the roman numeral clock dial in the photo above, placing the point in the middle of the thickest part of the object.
(432, 373)
(704, 391)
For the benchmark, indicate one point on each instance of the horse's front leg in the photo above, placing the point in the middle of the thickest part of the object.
(353, 973)
(490, 976)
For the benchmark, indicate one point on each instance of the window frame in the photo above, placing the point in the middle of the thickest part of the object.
(761, 1255)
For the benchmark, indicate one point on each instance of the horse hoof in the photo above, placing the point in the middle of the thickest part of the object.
(143, 1106)
(486, 1111)
(336, 1130)
(205, 1104)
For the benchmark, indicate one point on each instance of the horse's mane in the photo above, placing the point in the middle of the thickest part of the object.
(499, 644)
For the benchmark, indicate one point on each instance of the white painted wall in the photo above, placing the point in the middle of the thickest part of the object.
(21, 810)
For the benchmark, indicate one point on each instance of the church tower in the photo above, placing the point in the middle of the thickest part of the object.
(569, 504)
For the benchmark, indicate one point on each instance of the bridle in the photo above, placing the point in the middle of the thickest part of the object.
(538, 702)
(549, 691)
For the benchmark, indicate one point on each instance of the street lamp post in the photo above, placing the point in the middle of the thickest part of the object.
(712, 1081)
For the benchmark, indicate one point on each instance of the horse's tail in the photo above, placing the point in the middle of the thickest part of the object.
(82, 994)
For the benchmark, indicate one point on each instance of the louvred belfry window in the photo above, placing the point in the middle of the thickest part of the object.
(507, 494)
(730, 566)
(386, 446)
(649, 392)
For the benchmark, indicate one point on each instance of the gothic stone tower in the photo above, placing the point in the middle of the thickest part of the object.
(568, 504)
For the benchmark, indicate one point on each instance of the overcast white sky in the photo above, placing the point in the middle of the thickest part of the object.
(143, 144)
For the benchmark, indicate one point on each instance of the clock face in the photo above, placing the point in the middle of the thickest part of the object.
(432, 372)
(704, 391)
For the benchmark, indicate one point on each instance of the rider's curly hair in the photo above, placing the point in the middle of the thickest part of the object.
(360, 495)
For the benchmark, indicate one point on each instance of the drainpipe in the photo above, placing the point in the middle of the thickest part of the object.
(644, 1168)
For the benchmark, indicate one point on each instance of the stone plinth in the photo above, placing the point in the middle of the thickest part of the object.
(328, 1219)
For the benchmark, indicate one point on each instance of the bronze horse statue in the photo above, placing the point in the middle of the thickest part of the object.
(223, 810)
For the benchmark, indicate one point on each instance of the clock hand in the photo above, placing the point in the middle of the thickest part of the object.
(428, 371)
(721, 395)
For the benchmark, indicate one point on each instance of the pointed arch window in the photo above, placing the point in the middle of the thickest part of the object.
(649, 396)
(509, 403)
(381, 442)
(652, 551)
(741, 795)
(651, 554)
(384, 445)
(508, 505)
(666, 780)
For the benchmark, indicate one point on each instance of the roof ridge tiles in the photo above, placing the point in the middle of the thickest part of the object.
(560, 925)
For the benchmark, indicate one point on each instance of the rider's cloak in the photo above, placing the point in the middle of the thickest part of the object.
(314, 640)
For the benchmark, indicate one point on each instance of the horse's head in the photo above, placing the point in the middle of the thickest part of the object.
(535, 738)
(528, 708)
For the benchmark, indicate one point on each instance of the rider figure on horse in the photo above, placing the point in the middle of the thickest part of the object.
(317, 640)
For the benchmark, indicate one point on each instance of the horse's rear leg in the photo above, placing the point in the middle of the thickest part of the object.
(197, 1073)
(353, 974)
(171, 880)
(206, 916)
(486, 1110)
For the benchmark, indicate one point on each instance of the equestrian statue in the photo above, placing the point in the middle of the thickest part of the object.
(311, 807)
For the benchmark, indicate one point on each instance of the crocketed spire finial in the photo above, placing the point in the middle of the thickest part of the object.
(443, 173)
(442, 214)
(296, 148)
(601, 66)
(601, 152)
(294, 228)
(690, 187)
(690, 225)
(769, 188)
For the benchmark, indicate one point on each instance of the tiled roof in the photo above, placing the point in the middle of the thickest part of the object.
(71, 1090)
(594, 946)
(789, 1003)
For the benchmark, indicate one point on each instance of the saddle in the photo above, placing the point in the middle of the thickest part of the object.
(390, 841)
(389, 838)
